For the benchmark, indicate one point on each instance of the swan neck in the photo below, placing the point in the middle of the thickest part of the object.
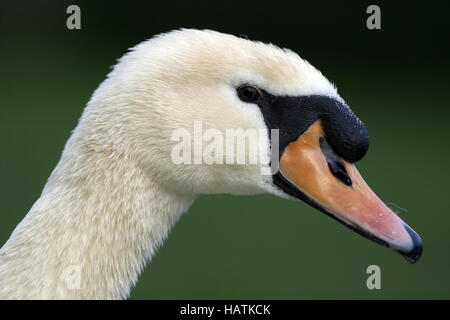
(97, 223)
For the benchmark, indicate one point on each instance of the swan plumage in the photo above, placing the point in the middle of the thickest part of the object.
(114, 195)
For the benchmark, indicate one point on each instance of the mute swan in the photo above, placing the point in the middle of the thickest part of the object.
(115, 193)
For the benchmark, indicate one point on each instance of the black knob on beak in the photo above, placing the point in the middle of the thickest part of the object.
(345, 132)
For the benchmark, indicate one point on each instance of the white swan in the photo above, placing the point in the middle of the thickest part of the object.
(115, 193)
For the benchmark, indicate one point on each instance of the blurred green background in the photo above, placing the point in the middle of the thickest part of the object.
(255, 247)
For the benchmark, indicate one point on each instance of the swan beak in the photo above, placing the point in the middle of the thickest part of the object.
(311, 171)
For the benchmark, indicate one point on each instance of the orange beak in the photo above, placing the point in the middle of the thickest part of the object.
(314, 173)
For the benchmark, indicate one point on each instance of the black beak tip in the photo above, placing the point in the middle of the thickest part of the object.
(413, 255)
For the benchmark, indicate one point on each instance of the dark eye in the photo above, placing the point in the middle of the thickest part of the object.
(248, 93)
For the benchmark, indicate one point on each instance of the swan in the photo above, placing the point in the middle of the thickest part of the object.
(116, 191)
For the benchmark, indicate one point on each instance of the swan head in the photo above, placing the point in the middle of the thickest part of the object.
(181, 97)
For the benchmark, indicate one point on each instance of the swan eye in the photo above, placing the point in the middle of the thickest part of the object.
(248, 93)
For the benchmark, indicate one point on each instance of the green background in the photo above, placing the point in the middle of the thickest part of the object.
(253, 247)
